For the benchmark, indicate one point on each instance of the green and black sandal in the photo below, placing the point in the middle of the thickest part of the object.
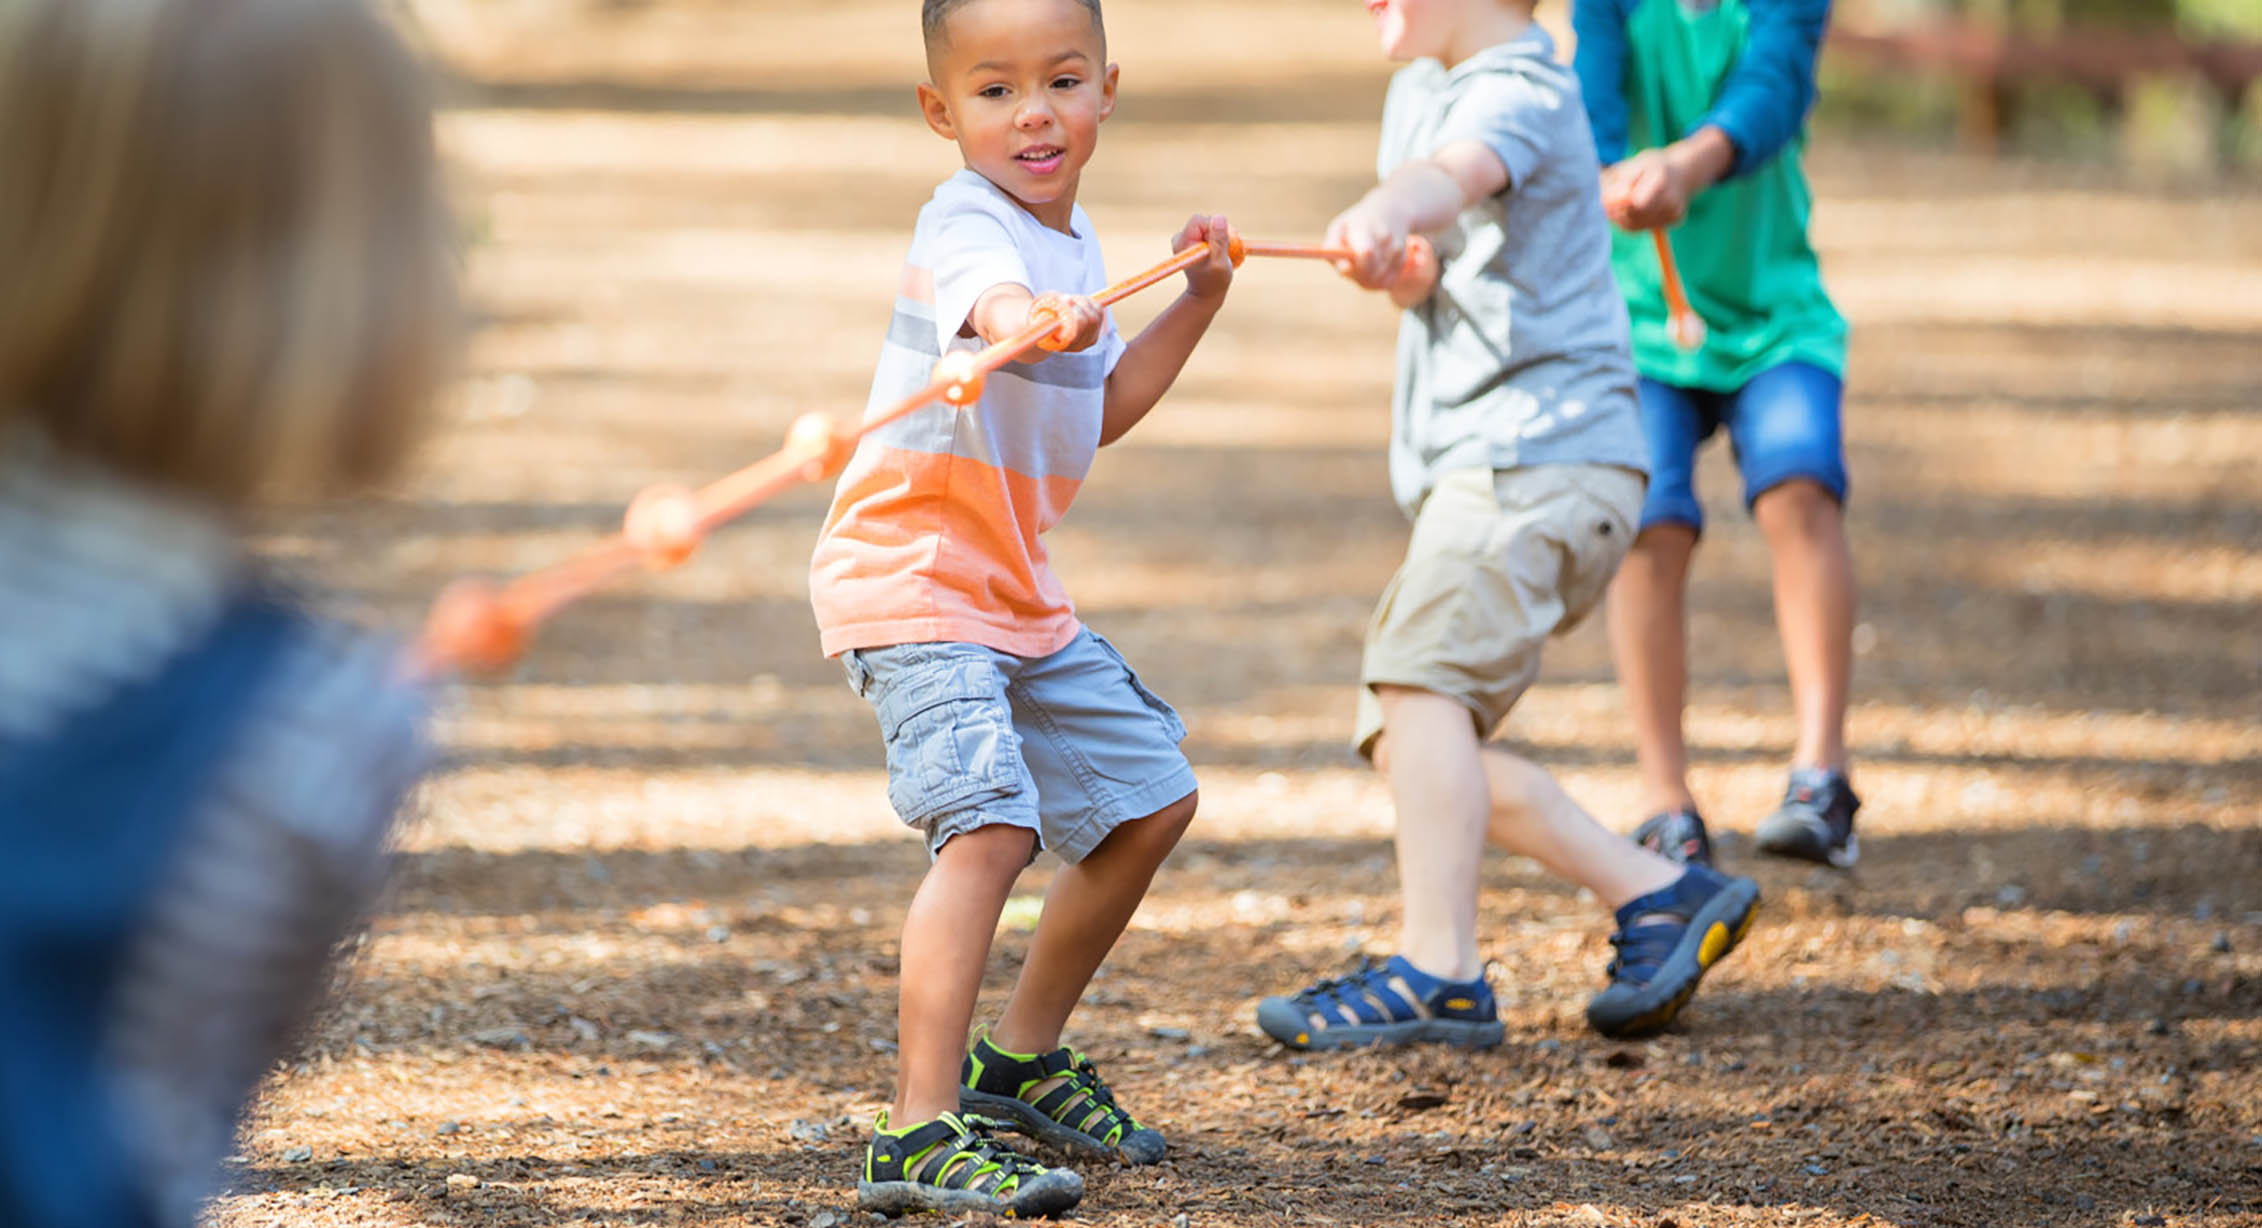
(952, 1164)
(1059, 1098)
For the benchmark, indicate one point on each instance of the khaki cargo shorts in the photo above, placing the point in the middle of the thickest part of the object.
(1500, 560)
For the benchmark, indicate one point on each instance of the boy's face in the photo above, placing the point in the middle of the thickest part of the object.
(1022, 86)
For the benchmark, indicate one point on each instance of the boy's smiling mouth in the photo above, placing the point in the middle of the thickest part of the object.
(1041, 159)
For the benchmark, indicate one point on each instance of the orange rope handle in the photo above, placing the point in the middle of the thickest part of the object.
(1682, 323)
(1418, 252)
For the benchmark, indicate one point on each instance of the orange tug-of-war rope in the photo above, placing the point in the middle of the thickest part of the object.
(1682, 324)
(480, 626)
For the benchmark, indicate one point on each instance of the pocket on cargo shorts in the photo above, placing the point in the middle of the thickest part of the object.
(948, 730)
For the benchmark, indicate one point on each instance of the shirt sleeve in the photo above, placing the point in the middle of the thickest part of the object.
(1506, 113)
(1600, 62)
(1387, 154)
(973, 252)
(1768, 93)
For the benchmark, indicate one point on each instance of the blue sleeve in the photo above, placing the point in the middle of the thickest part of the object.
(1768, 93)
(1600, 62)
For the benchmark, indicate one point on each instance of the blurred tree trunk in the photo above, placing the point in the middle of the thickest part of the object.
(1983, 115)
(1983, 109)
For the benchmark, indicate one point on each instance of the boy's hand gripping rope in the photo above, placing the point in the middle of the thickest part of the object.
(1683, 325)
(478, 625)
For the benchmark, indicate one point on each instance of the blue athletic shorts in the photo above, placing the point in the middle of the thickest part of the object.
(1069, 746)
(1784, 424)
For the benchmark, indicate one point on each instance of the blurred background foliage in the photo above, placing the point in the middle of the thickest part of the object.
(2196, 18)
(2090, 80)
(2217, 18)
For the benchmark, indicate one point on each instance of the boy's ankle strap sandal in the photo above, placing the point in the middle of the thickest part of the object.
(1078, 1111)
(1384, 1003)
(1665, 943)
(950, 1153)
(952, 1164)
(1642, 950)
(1083, 1102)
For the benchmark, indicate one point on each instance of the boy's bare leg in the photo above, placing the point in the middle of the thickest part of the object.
(946, 945)
(1649, 641)
(1814, 612)
(1086, 909)
(1452, 793)
(1428, 752)
(1533, 817)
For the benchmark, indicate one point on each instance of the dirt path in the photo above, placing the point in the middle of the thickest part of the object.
(639, 965)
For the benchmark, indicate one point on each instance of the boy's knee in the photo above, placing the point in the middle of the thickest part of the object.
(1665, 545)
(1801, 505)
(1171, 822)
(994, 847)
(1153, 836)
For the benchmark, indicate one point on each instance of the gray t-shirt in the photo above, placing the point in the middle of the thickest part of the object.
(1520, 357)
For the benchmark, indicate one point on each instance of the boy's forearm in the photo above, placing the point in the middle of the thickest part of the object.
(1001, 312)
(1702, 158)
(1419, 197)
(1152, 361)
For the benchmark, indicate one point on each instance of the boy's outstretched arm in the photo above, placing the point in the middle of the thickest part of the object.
(1004, 310)
(1423, 195)
(1152, 360)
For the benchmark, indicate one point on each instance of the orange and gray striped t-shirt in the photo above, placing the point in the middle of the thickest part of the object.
(935, 529)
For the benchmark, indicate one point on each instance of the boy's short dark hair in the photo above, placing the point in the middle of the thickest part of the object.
(934, 16)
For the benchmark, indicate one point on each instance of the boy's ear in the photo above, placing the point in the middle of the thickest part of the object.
(1107, 89)
(937, 112)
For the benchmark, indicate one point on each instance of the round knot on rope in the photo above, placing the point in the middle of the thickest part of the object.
(662, 526)
(960, 378)
(473, 627)
(820, 445)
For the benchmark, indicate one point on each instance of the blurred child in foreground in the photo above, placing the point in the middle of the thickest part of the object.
(226, 278)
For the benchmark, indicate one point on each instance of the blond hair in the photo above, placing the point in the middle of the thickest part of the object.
(224, 262)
